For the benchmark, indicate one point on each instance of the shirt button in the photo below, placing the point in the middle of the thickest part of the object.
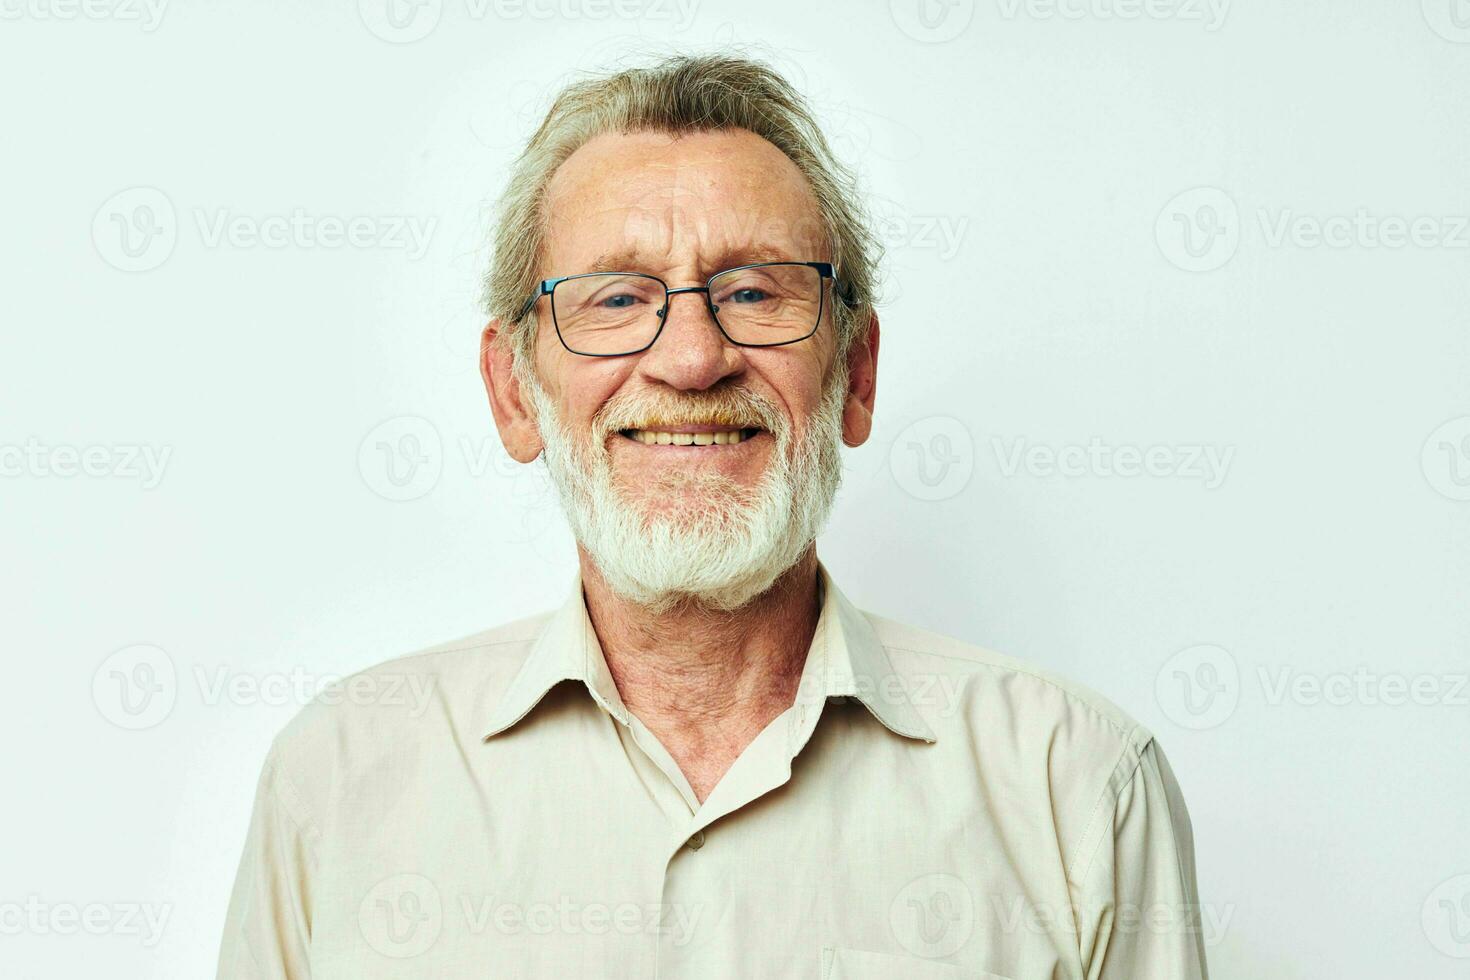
(697, 841)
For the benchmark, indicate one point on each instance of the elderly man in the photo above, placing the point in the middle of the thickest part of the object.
(707, 762)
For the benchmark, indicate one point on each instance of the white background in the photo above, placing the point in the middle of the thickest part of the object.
(1048, 290)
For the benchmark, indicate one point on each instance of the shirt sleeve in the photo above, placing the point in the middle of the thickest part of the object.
(1139, 913)
(268, 926)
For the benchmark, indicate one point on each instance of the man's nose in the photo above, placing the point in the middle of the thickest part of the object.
(691, 353)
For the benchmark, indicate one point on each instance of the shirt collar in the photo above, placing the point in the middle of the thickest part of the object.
(846, 659)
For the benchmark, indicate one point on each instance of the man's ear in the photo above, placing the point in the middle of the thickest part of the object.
(862, 386)
(512, 414)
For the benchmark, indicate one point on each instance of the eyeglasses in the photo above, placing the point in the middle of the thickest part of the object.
(611, 314)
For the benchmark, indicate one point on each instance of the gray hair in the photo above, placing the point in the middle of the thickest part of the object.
(680, 94)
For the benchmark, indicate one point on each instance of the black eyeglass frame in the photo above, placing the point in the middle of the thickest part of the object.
(824, 269)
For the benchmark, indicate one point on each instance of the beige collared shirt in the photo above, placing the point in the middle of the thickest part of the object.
(925, 809)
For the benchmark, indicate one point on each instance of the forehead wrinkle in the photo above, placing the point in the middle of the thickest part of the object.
(681, 205)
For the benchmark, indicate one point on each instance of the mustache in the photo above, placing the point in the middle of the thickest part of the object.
(732, 406)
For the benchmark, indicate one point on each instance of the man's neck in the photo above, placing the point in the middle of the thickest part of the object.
(705, 682)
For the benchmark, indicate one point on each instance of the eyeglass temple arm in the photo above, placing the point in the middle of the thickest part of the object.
(839, 285)
(543, 288)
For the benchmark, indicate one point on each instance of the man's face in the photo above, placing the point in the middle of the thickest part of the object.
(680, 209)
(719, 520)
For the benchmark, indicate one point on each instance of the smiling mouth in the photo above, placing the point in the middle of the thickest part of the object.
(710, 436)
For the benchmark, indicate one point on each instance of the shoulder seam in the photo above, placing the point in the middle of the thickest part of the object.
(1096, 844)
(295, 807)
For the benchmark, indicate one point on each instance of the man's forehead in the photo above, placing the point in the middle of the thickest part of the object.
(653, 196)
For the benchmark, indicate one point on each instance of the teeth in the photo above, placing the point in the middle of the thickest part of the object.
(652, 437)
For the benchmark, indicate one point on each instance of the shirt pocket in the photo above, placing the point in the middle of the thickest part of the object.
(839, 963)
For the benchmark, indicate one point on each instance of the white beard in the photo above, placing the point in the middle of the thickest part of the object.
(731, 543)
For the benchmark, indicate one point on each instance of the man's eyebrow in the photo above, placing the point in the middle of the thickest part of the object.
(630, 259)
(623, 260)
(754, 252)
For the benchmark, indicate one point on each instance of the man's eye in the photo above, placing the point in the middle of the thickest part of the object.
(747, 295)
(619, 302)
